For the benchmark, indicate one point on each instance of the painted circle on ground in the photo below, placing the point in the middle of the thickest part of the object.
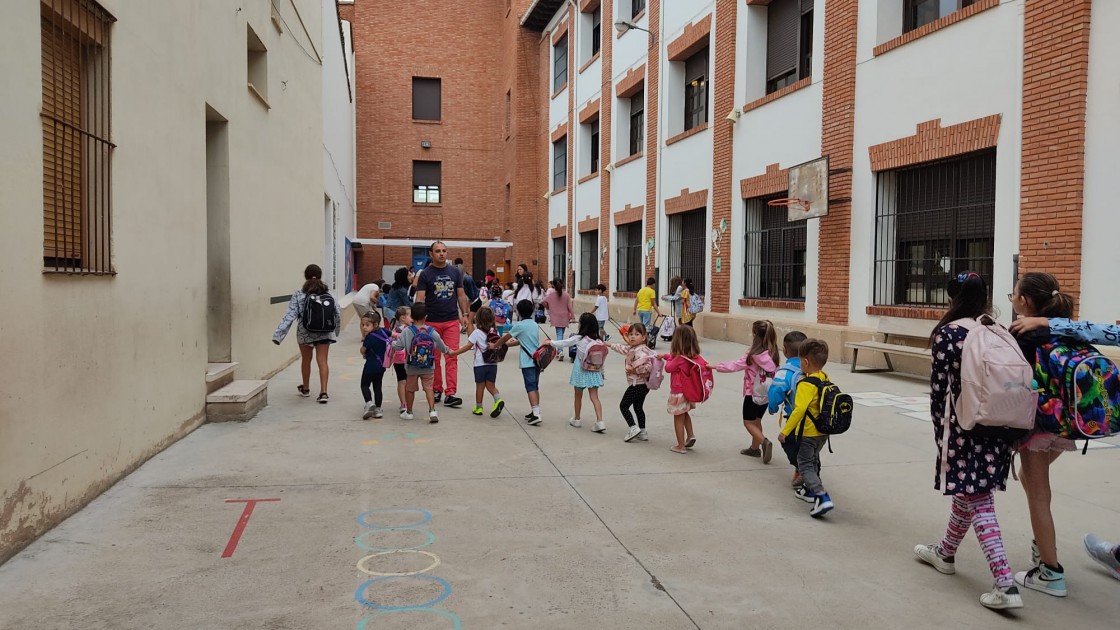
(360, 593)
(362, 544)
(434, 564)
(363, 624)
(364, 522)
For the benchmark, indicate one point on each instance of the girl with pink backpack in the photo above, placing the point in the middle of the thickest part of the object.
(640, 369)
(690, 383)
(587, 368)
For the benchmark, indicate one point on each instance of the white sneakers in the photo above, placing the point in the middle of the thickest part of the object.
(367, 411)
(633, 433)
(575, 423)
(599, 427)
(928, 554)
(1002, 598)
(406, 415)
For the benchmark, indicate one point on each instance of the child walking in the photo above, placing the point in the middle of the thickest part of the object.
(420, 342)
(526, 334)
(602, 311)
(639, 364)
(781, 394)
(375, 341)
(683, 359)
(586, 336)
(756, 365)
(485, 372)
(401, 319)
(801, 427)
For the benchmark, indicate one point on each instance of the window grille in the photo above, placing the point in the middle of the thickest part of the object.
(774, 254)
(77, 139)
(933, 221)
(588, 260)
(630, 238)
(688, 247)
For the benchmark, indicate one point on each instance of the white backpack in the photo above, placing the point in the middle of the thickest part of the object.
(997, 382)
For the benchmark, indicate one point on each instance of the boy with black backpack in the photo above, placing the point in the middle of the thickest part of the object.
(420, 341)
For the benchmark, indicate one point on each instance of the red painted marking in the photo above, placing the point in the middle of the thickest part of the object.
(241, 522)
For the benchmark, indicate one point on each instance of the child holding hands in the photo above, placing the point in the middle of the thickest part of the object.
(801, 427)
(680, 364)
(782, 389)
(755, 365)
(638, 363)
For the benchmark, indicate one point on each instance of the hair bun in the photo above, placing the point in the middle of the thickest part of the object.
(1054, 293)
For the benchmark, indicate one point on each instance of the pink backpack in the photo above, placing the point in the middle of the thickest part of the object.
(656, 372)
(997, 382)
(699, 381)
(595, 357)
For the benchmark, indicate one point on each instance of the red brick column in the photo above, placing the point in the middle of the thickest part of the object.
(1055, 82)
(653, 87)
(725, 31)
(606, 109)
(837, 141)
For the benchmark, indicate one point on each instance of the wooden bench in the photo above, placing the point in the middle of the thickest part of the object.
(896, 327)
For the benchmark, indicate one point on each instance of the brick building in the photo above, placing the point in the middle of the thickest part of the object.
(973, 134)
(449, 135)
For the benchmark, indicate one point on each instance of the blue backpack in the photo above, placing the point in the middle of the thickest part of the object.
(1079, 391)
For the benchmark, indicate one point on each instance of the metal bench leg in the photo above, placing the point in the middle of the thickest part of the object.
(886, 356)
(855, 357)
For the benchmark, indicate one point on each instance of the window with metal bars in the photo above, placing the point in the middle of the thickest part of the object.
(933, 221)
(774, 252)
(637, 122)
(688, 247)
(630, 236)
(77, 140)
(918, 13)
(588, 259)
(560, 258)
(560, 64)
(560, 163)
(789, 42)
(696, 89)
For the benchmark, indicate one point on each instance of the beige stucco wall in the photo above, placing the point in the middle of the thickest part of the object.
(99, 373)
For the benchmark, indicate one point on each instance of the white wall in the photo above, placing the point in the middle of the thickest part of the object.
(339, 146)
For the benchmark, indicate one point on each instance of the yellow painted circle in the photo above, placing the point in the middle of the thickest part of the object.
(363, 569)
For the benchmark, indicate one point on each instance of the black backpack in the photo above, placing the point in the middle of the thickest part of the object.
(494, 355)
(836, 407)
(319, 314)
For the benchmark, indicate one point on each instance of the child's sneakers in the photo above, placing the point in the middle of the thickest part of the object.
(930, 555)
(633, 433)
(533, 420)
(1002, 598)
(1044, 579)
(406, 415)
(642, 437)
(433, 417)
(367, 411)
(575, 423)
(377, 413)
(797, 481)
(477, 410)
(599, 427)
(499, 405)
(821, 505)
(1103, 554)
(801, 492)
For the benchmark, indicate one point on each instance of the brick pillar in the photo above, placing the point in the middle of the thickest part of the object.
(1055, 82)
(653, 87)
(725, 31)
(837, 140)
(606, 108)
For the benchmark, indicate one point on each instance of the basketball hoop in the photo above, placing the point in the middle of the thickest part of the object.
(790, 202)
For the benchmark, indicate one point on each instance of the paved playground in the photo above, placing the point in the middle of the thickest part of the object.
(507, 526)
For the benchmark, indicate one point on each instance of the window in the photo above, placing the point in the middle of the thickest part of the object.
(594, 146)
(789, 43)
(637, 122)
(257, 64)
(688, 246)
(918, 13)
(774, 267)
(932, 221)
(426, 96)
(560, 64)
(596, 30)
(588, 260)
(696, 90)
(425, 181)
(560, 163)
(560, 258)
(636, 7)
(630, 238)
(77, 146)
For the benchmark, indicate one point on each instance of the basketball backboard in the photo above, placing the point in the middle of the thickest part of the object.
(809, 183)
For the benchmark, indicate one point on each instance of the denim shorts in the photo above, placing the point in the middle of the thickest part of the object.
(486, 373)
(532, 377)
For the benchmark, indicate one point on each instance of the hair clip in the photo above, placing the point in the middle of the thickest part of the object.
(965, 275)
(1054, 293)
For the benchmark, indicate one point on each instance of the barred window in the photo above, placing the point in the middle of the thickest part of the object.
(774, 266)
(560, 258)
(933, 221)
(588, 259)
(77, 141)
(688, 247)
(630, 238)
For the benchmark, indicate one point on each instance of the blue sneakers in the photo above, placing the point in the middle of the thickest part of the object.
(1044, 580)
(822, 505)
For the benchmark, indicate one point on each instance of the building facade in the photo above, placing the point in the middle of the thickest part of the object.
(960, 135)
(163, 189)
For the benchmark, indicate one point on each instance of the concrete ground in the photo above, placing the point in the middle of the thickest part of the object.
(542, 527)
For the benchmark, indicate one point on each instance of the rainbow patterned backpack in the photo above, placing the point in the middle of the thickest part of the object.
(1079, 391)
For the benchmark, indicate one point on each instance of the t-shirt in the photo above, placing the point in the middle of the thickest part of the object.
(478, 340)
(441, 292)
(375, 344)
(601, 312)
(645, 299)
(367, 295)
(527, 333)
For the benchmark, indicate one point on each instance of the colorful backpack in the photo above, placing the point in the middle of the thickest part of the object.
(836, 407)
(495, 355)
(656, 372)
(1079, 397)
(695, 304)
(422, 349)
(996, 382)
(699, 381)
(594, 357)
(501, 310)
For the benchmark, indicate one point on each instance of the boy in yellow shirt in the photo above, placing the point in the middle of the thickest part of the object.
(801, 426)
(645, 304)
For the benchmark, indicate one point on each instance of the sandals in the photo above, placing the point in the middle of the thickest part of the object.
(303, 391)
(323, 398)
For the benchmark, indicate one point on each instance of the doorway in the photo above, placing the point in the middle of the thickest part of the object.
(219, 305)
(478, 264)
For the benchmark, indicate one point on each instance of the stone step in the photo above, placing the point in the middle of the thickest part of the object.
(238, 401)
(218, 375)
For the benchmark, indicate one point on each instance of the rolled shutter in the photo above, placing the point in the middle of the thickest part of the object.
(425, 173)
(783, 23)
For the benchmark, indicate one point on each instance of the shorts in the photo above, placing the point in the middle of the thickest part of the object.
(678, 405)
(477, 304)
(399, 369)
(415, 381)
(532, 378)
(1043, 442)
(486, 373)
(753, 410)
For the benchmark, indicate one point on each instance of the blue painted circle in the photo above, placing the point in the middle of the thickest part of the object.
(424, 521)
(363, 623)
(359, 594)
(362, 544)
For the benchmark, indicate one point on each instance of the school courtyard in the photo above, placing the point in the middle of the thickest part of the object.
(503, 525)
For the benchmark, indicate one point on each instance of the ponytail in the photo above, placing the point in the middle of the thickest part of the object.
(313, 284)
(1045, 296)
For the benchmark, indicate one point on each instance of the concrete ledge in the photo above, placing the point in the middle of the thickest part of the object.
(218, 375)
(237, 402)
